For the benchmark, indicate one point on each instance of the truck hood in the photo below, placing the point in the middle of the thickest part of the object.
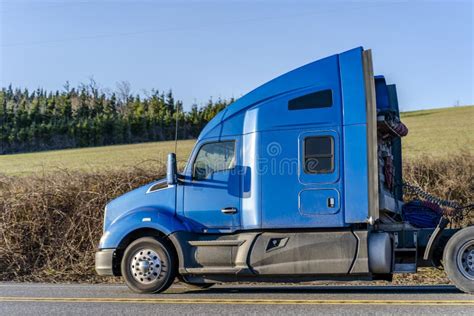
(156, 195)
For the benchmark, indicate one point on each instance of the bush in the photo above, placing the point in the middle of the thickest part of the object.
(51, 225)
(451, 179)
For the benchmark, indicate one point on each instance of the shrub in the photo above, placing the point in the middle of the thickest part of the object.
(51, 225)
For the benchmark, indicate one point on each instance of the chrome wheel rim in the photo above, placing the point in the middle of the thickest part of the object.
(145, 266)
(465, 260)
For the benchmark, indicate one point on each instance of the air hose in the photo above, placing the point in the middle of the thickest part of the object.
(427, 212)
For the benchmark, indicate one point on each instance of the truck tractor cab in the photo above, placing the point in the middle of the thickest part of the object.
(299, 180)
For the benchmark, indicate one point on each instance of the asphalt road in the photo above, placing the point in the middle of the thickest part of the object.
(65, 299)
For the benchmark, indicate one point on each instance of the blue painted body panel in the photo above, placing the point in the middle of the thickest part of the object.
(353, 87)
(283, 179)
(139, 209)
(314, 202)
(381, 89)
(251, 205)
(356, 186)
(356, 203)
(318, 75)
(155, 219)
(268, 185)
(138, 199)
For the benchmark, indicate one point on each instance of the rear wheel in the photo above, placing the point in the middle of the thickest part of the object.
(458, 259)
(149, 265)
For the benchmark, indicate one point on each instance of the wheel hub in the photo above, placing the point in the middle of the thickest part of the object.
(465, 260)
(145, 266)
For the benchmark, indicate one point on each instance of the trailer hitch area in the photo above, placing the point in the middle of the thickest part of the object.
(434, 239)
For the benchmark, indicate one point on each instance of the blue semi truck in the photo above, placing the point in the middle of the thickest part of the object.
(299, 180)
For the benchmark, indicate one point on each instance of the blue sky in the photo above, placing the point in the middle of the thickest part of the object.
(226, 48)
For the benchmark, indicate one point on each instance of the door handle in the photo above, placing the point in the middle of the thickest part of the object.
(229, 210)
(331, 202)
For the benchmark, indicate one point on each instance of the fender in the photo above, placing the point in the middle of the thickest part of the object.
(148, 217)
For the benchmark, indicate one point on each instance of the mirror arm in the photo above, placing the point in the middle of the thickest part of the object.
(180, 178)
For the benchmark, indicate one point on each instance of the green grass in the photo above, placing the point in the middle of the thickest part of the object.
(435, 133)
(439, 132)
(94, 158)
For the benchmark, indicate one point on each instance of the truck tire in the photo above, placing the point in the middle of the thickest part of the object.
(149, 265)
(458, 259)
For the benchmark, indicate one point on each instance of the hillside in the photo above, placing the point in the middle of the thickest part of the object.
(92, 159)
(436, 133)
(439, 132)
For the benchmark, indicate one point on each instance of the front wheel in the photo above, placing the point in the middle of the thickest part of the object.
(149, 265)
(458, 259)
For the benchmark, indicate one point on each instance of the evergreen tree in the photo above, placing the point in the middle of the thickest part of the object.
(85, 116)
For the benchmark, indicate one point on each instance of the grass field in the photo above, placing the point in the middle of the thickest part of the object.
(434, 133)
(439, 132)
(92, 159)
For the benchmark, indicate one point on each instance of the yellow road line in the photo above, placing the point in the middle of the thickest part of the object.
(236, 301)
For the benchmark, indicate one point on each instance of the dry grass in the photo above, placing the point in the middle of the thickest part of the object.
(448, 178)
(51, 224)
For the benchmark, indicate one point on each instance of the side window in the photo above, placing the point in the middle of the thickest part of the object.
(315, 100)
(319, 154)
(213, 157)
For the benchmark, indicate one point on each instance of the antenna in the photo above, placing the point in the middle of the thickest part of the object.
(176, 129)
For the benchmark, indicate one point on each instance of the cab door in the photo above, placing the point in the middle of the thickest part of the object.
(211, 197)
(304, 189)
(319, 198)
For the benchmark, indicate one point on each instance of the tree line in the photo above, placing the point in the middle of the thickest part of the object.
(88, 116)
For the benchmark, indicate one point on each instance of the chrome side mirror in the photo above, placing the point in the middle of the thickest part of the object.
(171, 169)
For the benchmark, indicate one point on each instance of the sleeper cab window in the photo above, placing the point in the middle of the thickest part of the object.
(214, 157)
(315, 100)
(319, 154)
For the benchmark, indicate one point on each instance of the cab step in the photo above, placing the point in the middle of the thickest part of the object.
(405, 251)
